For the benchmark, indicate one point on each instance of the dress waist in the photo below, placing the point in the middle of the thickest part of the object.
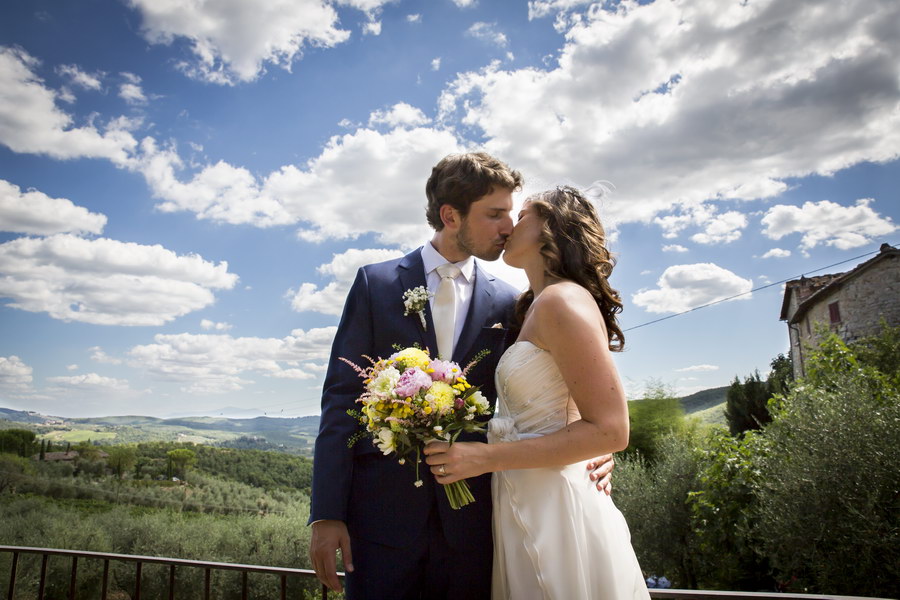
(503, 429)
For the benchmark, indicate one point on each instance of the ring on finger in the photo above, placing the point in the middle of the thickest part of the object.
(442, 470)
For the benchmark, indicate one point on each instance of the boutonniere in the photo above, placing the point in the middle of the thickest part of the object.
(414, 300)
(497, 326)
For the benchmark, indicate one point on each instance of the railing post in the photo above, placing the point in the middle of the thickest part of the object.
(105, 580)
(137, 580)
(324, 592)
(206, 585)
(171, 582)
(73, 577)
(43, 577)
(12, 576)
(283, 588)
(243, 585)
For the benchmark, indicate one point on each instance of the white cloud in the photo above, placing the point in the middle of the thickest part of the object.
(98, 355)
(697, 369)
(72, 367)
(372, 28)
(220, 363)
(330, 193)
(130, 91)
(15, 375)
(234, 41)
(414, 18)
(828, 223)
(722, 229)
(105, 281)
(207, 325)
(36, 213)
(683, 287)
(30, 121)
(777, 253)
(79, 78)
(399, 115)
(542, 8)
(674, 248)
(675, 104)
(436, 64)
(326, 197)
(329, 300)
(718, 228)
(220, 192)
(465, 3)
(487, 32)
(89, 381)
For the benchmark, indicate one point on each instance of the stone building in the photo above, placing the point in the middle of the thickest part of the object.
(851, 304)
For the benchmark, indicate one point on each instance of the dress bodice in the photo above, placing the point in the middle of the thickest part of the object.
(532, 396)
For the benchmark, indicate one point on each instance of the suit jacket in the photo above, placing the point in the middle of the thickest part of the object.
(372, 493)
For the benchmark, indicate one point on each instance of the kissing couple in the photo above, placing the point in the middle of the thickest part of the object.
(543, 524)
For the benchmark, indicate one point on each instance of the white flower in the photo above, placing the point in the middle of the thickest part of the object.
(385, 441)
(418, 483)
(414, 301)
(481, 402)
(385, 382)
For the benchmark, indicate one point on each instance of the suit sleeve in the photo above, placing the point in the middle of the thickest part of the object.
(333, 459)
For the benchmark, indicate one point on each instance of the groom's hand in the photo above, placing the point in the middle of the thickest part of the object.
(327, 537)
(601, 469)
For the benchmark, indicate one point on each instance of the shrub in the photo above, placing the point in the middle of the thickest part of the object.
(829, 504)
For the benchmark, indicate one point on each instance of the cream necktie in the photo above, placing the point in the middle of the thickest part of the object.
(443, 310)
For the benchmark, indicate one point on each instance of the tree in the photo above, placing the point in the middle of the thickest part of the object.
(830, 478)
(746, 404)
(182, 459)
(17, 441)
(87, 451)
(781, 375)
(121, 459)
(658, 413)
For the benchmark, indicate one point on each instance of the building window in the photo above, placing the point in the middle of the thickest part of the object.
(834, 312)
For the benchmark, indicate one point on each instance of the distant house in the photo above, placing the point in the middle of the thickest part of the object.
(851, 304)
(69, 456)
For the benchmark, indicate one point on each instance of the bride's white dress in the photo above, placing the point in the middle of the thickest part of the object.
(555, 535)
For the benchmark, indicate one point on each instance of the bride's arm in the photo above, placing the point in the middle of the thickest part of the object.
(567, 323)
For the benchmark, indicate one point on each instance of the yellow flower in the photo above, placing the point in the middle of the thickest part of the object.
(413, 357)
(440, 396)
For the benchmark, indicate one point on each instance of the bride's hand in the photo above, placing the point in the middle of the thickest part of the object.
(460, 460)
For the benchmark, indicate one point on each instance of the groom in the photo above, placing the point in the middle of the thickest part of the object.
(398, 540)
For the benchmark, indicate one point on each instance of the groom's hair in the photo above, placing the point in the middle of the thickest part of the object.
(461, 179)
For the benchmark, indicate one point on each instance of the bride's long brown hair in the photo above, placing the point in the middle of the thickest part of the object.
(573, 244)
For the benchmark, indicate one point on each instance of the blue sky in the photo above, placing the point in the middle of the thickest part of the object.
(187, 189)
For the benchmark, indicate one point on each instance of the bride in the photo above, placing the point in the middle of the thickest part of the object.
(560, 402)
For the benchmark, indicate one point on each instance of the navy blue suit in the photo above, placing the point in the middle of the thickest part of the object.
(406, 540)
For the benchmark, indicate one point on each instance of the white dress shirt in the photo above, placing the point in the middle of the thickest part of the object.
(464, 283)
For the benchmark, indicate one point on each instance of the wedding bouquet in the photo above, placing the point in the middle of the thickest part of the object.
(411, 400)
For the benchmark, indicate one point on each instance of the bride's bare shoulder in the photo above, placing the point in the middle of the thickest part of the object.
(563, 299)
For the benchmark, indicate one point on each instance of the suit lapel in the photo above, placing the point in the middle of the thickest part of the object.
(480, 308)
(411, 272)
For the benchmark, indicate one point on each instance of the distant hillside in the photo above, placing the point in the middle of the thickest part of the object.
(294, 435)
(707, 405)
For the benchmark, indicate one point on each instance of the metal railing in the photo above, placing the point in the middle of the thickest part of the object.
(284, 573)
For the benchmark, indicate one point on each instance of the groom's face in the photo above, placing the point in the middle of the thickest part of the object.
(484, 230)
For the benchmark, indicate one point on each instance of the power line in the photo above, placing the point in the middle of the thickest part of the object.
(768, 285)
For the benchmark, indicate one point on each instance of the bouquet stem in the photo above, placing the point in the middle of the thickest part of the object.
(459, 494)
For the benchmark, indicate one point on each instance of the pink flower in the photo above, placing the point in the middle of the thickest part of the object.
(411, 381)
(444, 370)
